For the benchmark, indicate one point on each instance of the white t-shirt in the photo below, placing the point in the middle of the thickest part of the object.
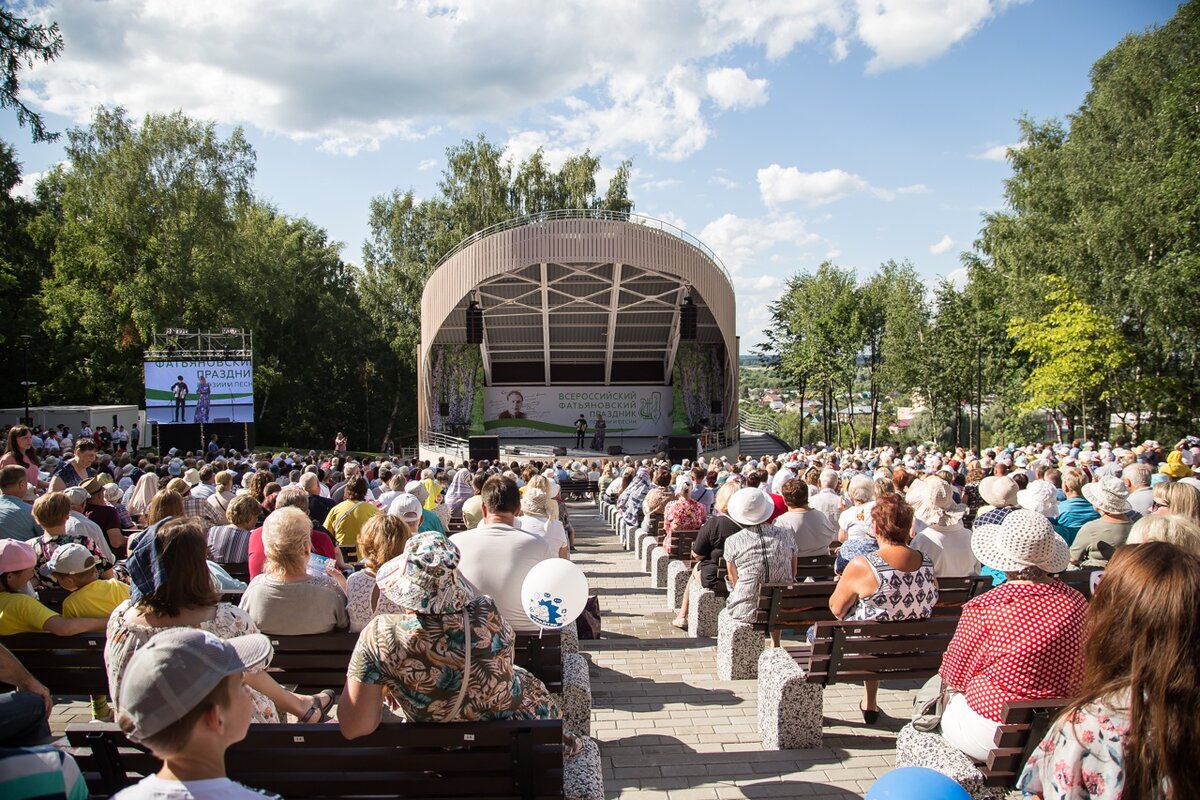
(949, 549)
(811, 529)
(155, 788)
(551, 529)
(856, 521)
(828, 502)
(495, 560)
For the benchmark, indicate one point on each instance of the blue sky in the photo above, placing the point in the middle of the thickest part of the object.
(781, 132)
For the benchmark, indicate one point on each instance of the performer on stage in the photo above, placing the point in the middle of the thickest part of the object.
(180, 392)
(203, 399)
(580, 431)
(598, 436)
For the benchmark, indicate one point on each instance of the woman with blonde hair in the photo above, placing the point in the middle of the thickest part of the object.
(1176, 498)
(285, 599)
(382, 538)
(1177, 529)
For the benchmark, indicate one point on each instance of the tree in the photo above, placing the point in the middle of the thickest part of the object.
(21, 46)
(1074, 349)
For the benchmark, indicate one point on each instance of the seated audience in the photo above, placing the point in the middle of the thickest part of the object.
(1177, 529)
(19, 611)
(52, 512)
(346, 519)
(895, 582)
(684, 513)
(16, 515)
(1098, 540)
(230, 544)
(941, 534)
(539, 515)
(709, 548)
(381, 539)
(320, 540)
(25, 711)
(1176, 498)
(287, 599)
(1131, 729)
(811, 529)
(472, 507)
(460, 491)
(172, 588)
(186, 699)
(759, 553)
(1075, 511)
(1018, 641)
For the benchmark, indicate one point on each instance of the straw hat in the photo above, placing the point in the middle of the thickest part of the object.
(1023, 539)
(933, 503)
(1109, 495)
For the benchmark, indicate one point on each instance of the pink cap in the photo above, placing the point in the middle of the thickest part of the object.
(16, 555)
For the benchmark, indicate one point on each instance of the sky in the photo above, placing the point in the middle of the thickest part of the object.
(782, 133)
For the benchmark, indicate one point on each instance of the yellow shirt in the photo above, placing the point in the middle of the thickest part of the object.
(96, 600)
(20, 613)
(346, 519)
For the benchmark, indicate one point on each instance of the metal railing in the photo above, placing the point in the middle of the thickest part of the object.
(587, 213)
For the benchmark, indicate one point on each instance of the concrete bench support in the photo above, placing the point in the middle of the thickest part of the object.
(576, 699)
(917, 749)
(677, 583)
(660, 560)
(738, 649)
(583, 778)
(790, 709)
(646, 548)
(703, 608)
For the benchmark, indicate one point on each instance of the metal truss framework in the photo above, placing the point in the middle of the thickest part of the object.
(175, 344)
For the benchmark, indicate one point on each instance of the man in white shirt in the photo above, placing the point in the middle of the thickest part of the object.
(1137, 480)
(496, 556)
(812, 530)
(828, 500)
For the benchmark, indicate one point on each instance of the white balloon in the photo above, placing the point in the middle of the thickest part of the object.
(554, 593)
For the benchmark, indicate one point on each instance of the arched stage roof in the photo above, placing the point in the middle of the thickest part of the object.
(578, 297)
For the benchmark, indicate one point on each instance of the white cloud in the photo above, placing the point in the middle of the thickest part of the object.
(998, 152)
(660, 183)
(916, 188)
(28, 184)
(958, 277)
(906, 32)
(348, 76)
(723, 182)
(942, 246)
(780, 184)
(671, 219)
(732, 88)
(740, 241)
(427, 164)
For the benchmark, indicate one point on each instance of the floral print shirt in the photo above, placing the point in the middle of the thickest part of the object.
(419, 660)
(360, 590)
(1081, 757)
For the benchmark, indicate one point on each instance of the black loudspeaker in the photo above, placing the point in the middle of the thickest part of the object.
(681, 447)
(615, 450)
(560, 451)
(484, 447)
(474, 323)
(687, 320)
(715, 408)
(443, 409)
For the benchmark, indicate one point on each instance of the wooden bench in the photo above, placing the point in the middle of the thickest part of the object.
(578, 489)
(791, 680)
(239, 572)
(675, 563)
(499, 760)
(818, 568)
(652, 536)
(52, 597)
(1023, 724)
(1080, 580)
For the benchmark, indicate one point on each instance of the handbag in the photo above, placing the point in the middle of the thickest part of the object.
(930, 704)
(588, 623)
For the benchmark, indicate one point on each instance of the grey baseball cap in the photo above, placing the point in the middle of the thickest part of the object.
(173, 672)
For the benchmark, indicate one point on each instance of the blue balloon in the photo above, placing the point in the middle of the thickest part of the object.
(916, 783)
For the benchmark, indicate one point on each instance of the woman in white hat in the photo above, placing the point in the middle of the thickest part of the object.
(941, 533)
(1019, 641)
(758, 554)
(1098, 540)
(539, 515)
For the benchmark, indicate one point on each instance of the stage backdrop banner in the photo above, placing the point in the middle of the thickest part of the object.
(230, 394)
(552, 410)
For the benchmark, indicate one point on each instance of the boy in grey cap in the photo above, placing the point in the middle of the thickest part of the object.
(183, 697)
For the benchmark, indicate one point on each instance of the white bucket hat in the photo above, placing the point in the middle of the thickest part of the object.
(750, 507)
(1023, 539)
(1039, 497)
(933, 503)
(1000, 492)
(1109, 495)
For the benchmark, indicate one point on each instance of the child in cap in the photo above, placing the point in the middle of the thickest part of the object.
(52, 510)
(73, 568)
(21, 613)
(184, 698)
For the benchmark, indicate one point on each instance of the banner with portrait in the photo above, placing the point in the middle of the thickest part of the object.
(553, 410)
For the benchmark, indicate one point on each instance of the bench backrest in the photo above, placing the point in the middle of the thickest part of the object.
(1080, 580)
(819, 568)
(681, 545)
(653, 525)
(498, 760)
(1023, 723)
(239, 572)
(852, 652)
(74, 665)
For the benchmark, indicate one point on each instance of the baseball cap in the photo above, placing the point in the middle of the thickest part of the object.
(16, 555)
(71, 559)
(77, 495)
(407, 507)
(173, 672)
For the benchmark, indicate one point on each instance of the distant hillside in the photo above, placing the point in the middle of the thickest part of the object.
(755, 360)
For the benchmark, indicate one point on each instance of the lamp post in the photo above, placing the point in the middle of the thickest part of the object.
(25, 340)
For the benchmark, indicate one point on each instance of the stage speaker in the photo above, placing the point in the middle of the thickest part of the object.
(715, 408)
(443, 409)
(687, 320)
(484, 447)
(615, 450)
(681, 447)
(474, 323)
(560, 451)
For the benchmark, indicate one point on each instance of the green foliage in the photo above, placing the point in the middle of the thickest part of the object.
(21, 46)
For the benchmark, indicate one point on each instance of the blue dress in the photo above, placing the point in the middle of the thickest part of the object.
(203, 398)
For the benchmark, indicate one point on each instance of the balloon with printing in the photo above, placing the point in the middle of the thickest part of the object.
(554, 593)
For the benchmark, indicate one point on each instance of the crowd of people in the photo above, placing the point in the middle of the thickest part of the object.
(424, 561)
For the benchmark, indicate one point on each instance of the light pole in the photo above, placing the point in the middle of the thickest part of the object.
(25, 340)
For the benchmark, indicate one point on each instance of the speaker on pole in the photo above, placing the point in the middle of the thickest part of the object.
(687, 320)
(484, 447)
(474, 323)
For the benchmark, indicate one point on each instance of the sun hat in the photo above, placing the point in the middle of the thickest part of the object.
(1175, 468)
(71, 559)
(1039, 497)
(555, 489)
(77, 495)
(1109, 495)
(192, 476)
(1024, 539)
(173, 672)
(933, 503)
(417, 489)
(175, 469)
(93, 486)
(425, 577)
(407, 507)
(998, 491)
(535, 501)
(750, 506)
(16, 555)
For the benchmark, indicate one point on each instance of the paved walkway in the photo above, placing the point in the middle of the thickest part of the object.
(669, 729)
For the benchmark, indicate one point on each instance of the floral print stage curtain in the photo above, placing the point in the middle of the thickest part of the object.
(700, 373)
(455, 374)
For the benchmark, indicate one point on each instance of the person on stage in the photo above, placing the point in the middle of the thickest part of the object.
(598, 436)
(580, 431)
(180, 392)
(203, 399)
